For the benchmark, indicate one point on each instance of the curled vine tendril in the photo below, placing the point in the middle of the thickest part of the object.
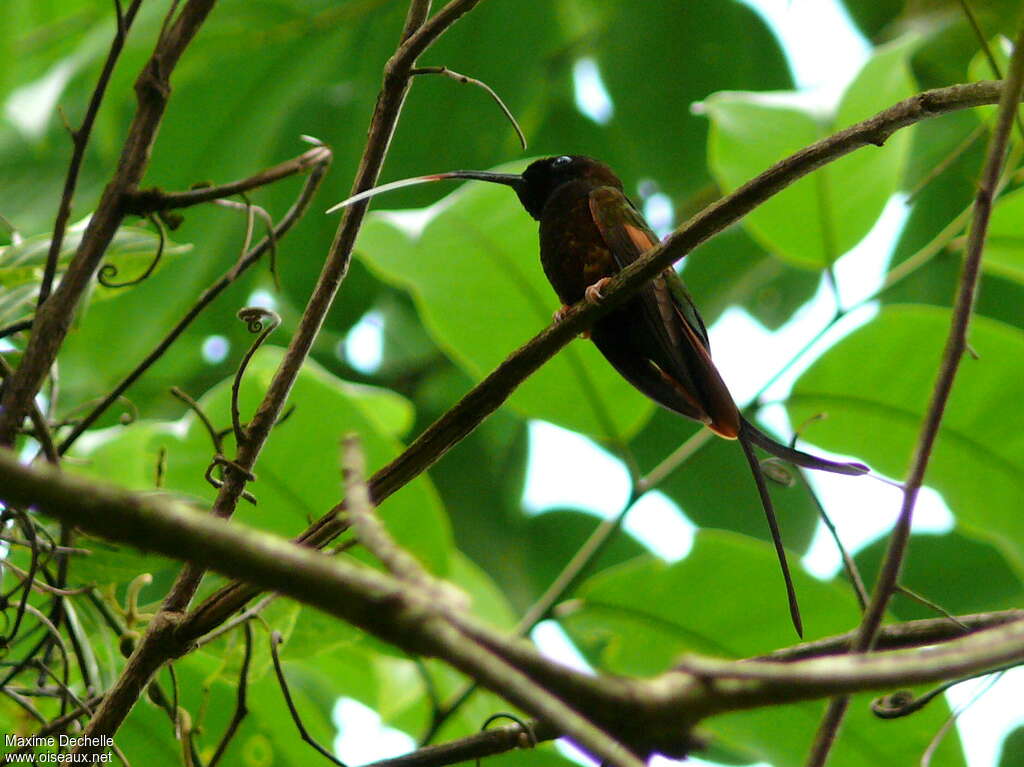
(257, 320)
(109, 271)
(527, 737)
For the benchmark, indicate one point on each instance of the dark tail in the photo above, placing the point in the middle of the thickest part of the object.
(752, 434)
(773, 526)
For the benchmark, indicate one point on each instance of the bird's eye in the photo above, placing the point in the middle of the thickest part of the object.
(561, 162)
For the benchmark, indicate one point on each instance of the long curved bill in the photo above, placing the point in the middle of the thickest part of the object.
(513, 180)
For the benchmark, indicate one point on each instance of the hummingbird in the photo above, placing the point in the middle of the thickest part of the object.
(590, 231)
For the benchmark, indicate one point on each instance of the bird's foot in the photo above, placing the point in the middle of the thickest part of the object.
(593, 292)
(560, 314)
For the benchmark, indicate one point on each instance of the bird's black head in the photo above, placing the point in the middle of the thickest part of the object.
(536, 185)
(543, 177)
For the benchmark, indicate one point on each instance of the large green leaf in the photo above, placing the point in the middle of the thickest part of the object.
(658, 58)
(131, 252)
(817, 219)
(1004, 248)
(1013, 749)
(875, 385)
(474, 274)
(726, 599)
(957, 571)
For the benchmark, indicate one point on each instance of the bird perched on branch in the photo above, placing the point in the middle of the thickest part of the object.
(590, 231)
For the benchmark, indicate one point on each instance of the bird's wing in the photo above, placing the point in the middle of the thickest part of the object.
(679, 352)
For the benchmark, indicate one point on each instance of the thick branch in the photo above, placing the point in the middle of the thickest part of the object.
(655, 713)
(508, 738)
(900, 635)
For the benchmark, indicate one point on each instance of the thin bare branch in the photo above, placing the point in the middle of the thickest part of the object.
(80, 139)
(144, 201)
(461, 78)
(956, 344)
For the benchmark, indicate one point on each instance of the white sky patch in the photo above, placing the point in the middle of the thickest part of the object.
(822, 46)
(748, 354)
(998, 710)
(363, 738)
(862, 511)
(861, 271)
(592, 98)
(658, 523)
(554, 643)
(567, 469)
(363, 346)
(660, 213)
(215, 349)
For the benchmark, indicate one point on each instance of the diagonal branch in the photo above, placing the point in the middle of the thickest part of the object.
(488, 395)
(143, 201)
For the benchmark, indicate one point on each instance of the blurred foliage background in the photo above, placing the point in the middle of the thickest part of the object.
(453, 296)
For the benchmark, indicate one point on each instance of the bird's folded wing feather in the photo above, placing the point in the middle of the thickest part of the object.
(669, 315)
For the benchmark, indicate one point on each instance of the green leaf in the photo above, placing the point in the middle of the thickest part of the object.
(1013, 749)
(476, 281)
(875, 385)
(782, 735)
(980, 67)
(21, 266)
(872, 18)
(551, 539)
(726, 599)
(1004, 247)
(837, 205)
(486, 600)
(749, 133)
(959, 571)
(298, 473)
